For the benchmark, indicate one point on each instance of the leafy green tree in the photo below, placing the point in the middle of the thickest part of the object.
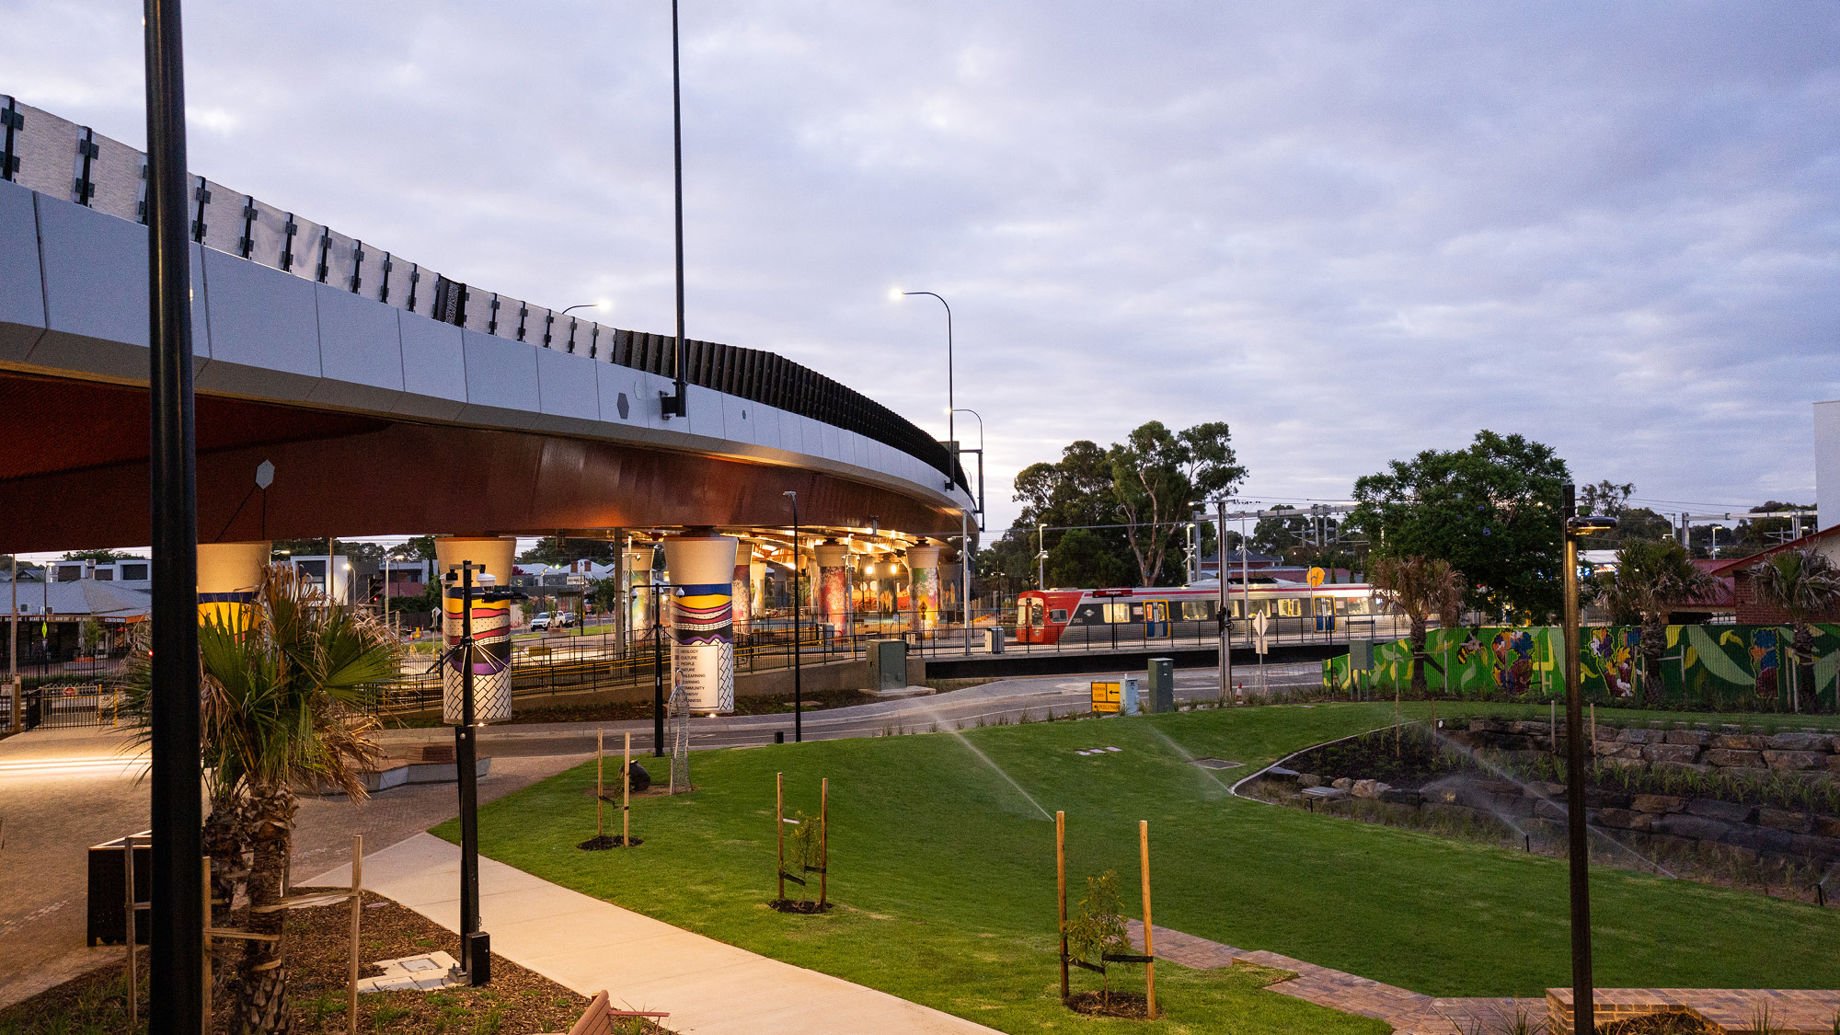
(1096, 927)
(1641, 523)
(1083, 557)
(1804, 585)
(416, 548)
(1605, 498)
(1650, 579)
(1761, 533)
(1157, 474)
(1421, 587)
(1491, 510)
(559, 550)
(99, 556)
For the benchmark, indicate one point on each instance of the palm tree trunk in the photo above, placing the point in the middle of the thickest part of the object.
(1654, 641)
(262, 1007)
(1804, 668)
(225, 842)
(1420, 686)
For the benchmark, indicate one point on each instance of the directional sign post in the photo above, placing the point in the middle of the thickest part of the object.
(1261, 641)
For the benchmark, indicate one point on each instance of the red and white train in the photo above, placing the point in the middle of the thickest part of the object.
(1083, 615)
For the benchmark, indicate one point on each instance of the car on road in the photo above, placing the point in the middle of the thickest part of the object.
(563, 619)
(541, 621)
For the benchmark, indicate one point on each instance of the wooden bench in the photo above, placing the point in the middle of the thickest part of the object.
(599, 1017)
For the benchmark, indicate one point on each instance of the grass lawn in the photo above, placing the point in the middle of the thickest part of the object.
(944, 872)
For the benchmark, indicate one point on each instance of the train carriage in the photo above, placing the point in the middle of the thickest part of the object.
(1083, 615)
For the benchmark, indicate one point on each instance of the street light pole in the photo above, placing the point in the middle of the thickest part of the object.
(1583, 1007)
(1041, 556)
(1226, 621)
(177, 918)
(657, 650)
(798, 718)
(964, 534)
(676, 405)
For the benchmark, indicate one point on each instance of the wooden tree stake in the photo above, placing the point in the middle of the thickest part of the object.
(357, 921)
(626, 794)
(1060, 879)
(824, 839)
(1143, 853)
(600, 783)
(779, 829)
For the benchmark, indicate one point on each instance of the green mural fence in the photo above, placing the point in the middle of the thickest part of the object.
(1711, 667)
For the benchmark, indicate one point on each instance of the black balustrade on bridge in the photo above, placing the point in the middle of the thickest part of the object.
(61, 159)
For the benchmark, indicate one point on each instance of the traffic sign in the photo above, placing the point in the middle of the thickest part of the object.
(1316, 576)
(1261, 625)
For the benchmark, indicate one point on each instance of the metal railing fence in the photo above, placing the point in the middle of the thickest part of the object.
(61, 159)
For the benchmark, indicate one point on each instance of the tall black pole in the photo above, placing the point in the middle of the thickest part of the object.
(475, 957)
(798, 668)
(657, 665)
(1583, 1008)
(177, 969)
(679, 404)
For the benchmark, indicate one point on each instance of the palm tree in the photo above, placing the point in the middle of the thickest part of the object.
(1650, 577)
(1802, 584)
(1421, 587)
(285, 687)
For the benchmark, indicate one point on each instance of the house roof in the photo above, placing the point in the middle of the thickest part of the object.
(1736, 564)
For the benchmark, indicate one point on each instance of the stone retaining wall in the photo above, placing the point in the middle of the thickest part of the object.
(1728, 748)
(1773, 844)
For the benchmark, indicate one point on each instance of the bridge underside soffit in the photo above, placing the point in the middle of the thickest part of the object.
(74, 475)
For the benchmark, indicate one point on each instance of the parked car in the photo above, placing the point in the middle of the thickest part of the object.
(541, 621)
(564, 619)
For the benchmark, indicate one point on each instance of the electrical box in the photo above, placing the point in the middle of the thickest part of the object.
(888, 665)
(1160, 683)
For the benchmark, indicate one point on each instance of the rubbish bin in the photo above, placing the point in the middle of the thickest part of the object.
(888, 665)
(107, 890)
(993, 640)
(1160, 683)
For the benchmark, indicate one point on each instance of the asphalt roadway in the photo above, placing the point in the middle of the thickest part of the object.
(63, 790)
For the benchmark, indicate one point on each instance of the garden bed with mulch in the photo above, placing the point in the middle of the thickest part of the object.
(1128, 1005)
(318, 948)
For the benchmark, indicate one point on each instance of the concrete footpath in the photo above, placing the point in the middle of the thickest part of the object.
(710, 988)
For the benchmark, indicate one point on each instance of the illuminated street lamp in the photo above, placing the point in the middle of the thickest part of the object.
(1583, 1009)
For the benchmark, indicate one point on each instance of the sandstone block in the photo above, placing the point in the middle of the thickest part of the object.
(1634, 736)
(1798, 742)
(1712, 808)
(1698, 828)
(1791, 759)
(1696, 738)
(1343, 783)
(1785, 819)
(1309, 780)
(1657, 803)
(1821, 850)
(1738, 741)
(1670, 753)
(1725, 757)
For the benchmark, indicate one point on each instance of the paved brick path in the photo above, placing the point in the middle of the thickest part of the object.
(1413, 1013)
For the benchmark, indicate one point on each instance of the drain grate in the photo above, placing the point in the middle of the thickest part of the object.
(1217, 763)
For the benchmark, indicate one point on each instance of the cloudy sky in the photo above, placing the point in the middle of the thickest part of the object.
(1353, 231)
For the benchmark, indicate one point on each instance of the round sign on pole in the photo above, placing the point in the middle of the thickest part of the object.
(1316, 576)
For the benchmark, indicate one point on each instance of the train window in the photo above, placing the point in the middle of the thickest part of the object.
(1325, 605)
(1058, 615)
(1118, 614)
(1357, 605)
(1197, 610)
(1290, 608)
